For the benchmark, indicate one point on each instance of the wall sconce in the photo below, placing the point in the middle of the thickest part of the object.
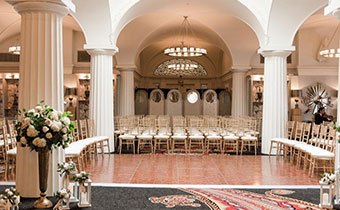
(70, 93)
(296, 94)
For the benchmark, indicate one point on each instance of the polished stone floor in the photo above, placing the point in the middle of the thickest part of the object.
(197, 169)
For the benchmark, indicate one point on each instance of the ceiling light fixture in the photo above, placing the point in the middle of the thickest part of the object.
(331, 52)
(185, 49)
(14, 50)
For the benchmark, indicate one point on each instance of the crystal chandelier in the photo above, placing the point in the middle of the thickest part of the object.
(14, 50)
(184, 49)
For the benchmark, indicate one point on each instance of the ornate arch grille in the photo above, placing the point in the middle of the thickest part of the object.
(164, 68)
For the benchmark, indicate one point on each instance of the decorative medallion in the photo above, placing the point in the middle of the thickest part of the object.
(172, 201)
(183, 67)
(316, 97)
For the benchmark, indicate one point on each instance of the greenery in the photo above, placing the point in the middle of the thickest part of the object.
(81, 177)
(43, 127)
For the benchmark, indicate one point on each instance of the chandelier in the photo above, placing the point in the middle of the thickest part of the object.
(14, 50)
(185, 49)
(331, 53)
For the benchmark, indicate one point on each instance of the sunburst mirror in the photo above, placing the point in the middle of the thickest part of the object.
(316, 97)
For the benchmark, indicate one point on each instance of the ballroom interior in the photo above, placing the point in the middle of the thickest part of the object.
(179, 93)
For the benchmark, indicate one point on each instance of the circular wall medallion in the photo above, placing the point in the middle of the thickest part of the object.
(156, 96)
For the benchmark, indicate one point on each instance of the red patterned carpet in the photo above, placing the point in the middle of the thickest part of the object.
(218, 199)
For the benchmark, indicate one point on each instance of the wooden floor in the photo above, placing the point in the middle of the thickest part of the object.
(197, 169)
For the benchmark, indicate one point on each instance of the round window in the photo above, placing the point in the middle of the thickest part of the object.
(174, 97)
(192, 97)
(156, 96)
(210, 97)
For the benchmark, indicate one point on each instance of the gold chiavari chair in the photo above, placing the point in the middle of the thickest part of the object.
(127, 136)
(10, 153)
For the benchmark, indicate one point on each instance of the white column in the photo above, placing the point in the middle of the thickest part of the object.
(41, 78)
(239, 92)
(127, 92)
(101, 95)
(275, 103)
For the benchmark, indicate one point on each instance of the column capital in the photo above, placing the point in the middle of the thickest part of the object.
(126, 68)
(240, 68)
(103, 51)
(61, 7)
(276, 51)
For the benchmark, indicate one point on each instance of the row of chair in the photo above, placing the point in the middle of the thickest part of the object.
(208, 133)
(307, 143)
(85, 143)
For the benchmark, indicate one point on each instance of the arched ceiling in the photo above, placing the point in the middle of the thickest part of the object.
(10, 22)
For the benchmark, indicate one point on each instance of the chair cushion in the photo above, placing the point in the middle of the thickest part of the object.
(127, 136)
(145, 136)
(214, 137)
(196, 137)
(231, 137)
(12, 152)
(248, 138)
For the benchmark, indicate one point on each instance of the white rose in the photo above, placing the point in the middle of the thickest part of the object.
(60, 113)
(10, 193)
(48, 122)
(55, 127)
(45, 129)
(59, 124)
(54, 115)
(63, 192)
(36, 114)
(3, 201)
(49, 135)
(38, 108)
(66, 120)
(31, 131)
(66, 166)
(7, 190)
(23, 140)
(39, 142)
(64, 137)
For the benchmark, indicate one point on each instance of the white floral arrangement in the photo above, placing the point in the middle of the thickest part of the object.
(81, 177)
(11, 195)
(43, 127)
(336, 126)
(63, 194)
(67, 168)
(327, 178)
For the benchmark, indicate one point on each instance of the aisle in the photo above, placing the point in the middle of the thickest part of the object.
(197, 169)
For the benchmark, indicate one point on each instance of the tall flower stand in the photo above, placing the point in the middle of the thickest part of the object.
(43, 158)
(336, 204)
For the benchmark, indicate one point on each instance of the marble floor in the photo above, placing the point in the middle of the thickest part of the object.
(197, 169)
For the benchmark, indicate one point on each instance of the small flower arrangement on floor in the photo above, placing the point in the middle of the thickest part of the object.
(66, 168)
(328, 178)
(81, 177)
(63, 194)
(43, 127)
(10, 195)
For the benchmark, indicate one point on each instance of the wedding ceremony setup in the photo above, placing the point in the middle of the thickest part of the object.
(181, 104)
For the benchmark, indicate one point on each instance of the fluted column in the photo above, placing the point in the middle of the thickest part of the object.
(101, 95)
(239, 92)
(127, 92)
(275, 103)
(41, 78)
